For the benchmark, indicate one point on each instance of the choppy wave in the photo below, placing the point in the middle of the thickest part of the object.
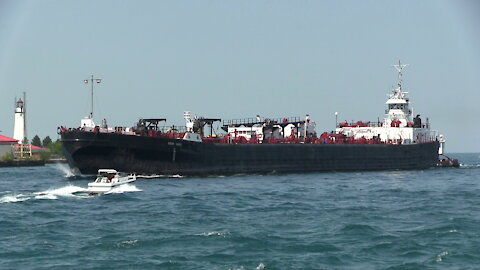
(127, 243)
(441, 256)
(261, 266)
(372, 220)
(214, 233)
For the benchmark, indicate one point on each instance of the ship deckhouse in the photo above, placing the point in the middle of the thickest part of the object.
(398, 125)
(398, 113)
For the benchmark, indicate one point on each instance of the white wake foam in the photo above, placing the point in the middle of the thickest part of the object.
(441, 256)
(13, 198)
(153, 176)
(49, 194)
(150, 176)
(54, 193)
(61, 192)
(214, 233)
(123, 188)
(261, 266)
(65, 169)
(46, 197)
(127, 243)
(237, 268)
(469, 166)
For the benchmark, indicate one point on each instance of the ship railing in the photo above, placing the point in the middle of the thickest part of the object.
(252, 121)
(377, 124)
(117, 129)
(130, 131)
(177, 129)
(238, 122)
(325, 138)
(165, 131)
(360, 124)
(434, 135)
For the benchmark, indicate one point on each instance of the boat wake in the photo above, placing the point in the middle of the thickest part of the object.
(154, 176)
(49, 194)
(69, 191)
(55, 193)
(150, 176)
(123, 189)
(13, 198)
(469, 166)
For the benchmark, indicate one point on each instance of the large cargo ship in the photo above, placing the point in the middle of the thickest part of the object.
(257, 145)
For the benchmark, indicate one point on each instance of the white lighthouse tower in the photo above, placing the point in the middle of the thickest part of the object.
(19, 124)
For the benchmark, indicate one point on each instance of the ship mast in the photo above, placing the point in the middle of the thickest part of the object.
(399, 67)
(86, 81)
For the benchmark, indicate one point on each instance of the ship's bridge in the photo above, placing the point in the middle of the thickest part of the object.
(397, 126)
(398, 110)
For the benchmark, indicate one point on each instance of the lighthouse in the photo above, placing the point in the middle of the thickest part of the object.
(19, 124)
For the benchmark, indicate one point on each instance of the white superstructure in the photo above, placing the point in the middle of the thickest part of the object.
(259, 129)
(87, 122)
(190, 135)
(397, 126)
(19, 124)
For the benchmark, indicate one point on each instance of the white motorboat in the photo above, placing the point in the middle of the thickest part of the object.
(107, 179)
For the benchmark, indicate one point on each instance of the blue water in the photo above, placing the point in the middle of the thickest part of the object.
(426, 219)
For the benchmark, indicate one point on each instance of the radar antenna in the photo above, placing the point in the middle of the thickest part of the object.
(399, 67)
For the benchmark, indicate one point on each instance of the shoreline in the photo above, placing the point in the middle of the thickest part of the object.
(22, 163)
(30, 163)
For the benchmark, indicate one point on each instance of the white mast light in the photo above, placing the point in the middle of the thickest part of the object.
(97, 80)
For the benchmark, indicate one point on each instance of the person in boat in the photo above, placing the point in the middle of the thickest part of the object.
(110, 177)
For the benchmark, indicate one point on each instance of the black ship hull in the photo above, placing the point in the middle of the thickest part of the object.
(90, 151)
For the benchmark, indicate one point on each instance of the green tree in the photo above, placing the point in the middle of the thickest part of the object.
(47, 141)
(36, 141)
(45, 155)
(56, 148)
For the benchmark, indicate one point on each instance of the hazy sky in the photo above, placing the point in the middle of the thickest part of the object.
(235, 59)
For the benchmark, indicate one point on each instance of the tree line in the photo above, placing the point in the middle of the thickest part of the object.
(55, 147)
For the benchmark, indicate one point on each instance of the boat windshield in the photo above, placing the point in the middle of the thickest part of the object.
(103, 175)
